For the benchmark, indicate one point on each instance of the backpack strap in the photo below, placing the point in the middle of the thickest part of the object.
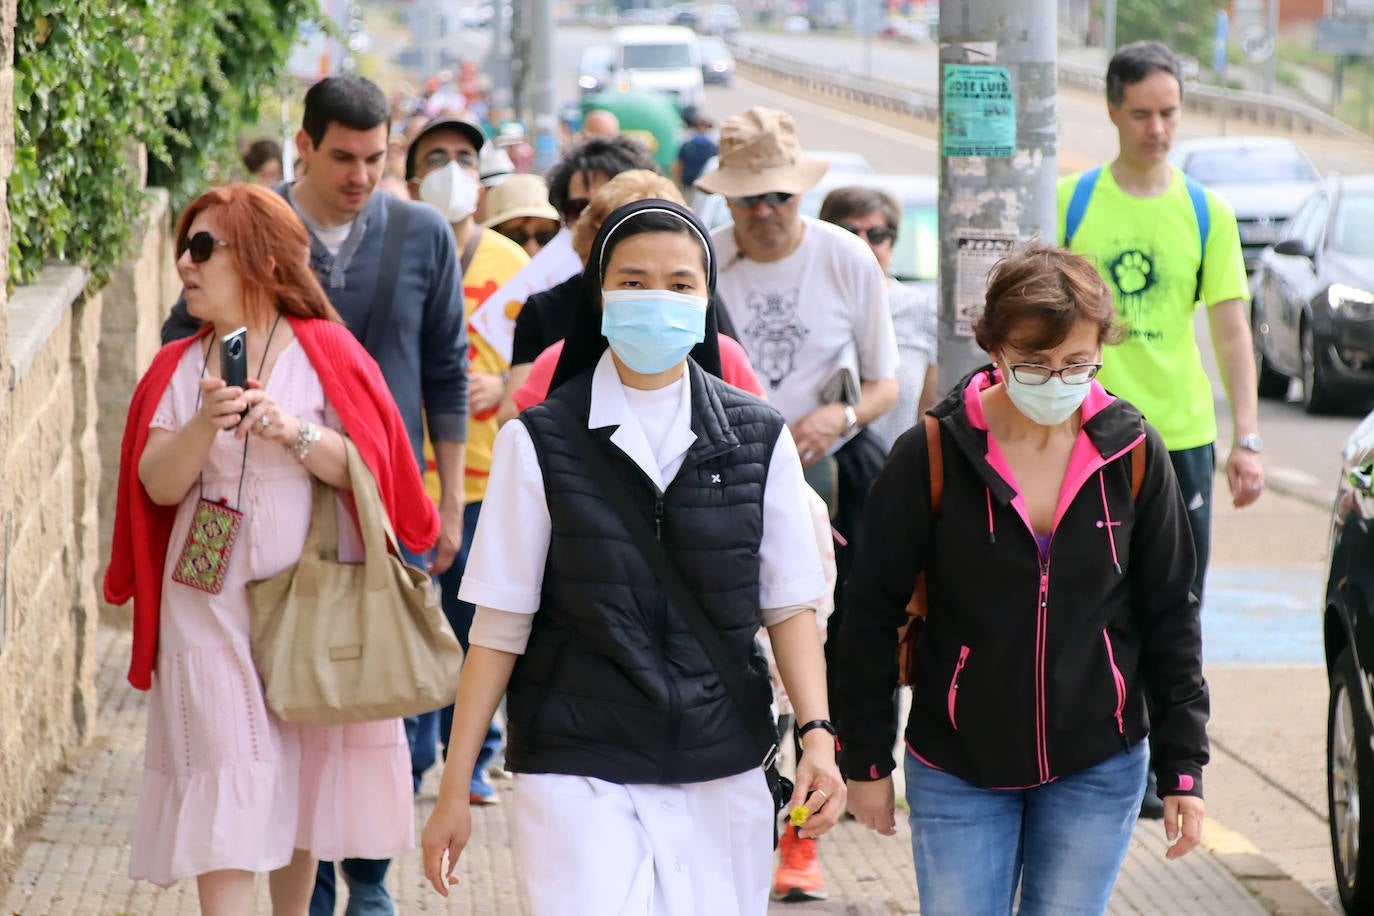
(937, 464)
(388, 268)
(1138, 465)
(1078, 203)
(1198, 195)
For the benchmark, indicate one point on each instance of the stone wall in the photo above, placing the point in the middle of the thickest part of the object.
(136, 300)
(69, 360)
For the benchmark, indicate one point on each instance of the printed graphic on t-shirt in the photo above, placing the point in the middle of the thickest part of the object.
(1134, 274)
(775, 334)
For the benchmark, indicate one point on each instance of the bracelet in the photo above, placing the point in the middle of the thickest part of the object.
(308, 436)
(814, 724)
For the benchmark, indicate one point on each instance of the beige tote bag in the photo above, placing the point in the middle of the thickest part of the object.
(352, 642)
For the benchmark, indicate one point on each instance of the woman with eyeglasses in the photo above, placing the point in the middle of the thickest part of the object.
(875, 216)
(1057, 568)
(215, 492)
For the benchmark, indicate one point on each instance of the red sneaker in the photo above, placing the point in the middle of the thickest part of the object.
(798, 876)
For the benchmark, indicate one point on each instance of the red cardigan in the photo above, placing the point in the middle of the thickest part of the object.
(353, 385)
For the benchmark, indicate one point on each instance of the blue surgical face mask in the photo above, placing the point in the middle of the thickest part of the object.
(652, 330)
(1049, 404)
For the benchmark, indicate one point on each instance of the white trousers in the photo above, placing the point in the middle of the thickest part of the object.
(587, 847)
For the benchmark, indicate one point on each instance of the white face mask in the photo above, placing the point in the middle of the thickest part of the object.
(1049, 404)
(452, 190)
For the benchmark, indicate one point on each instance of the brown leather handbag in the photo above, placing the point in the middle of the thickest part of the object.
(352, 642)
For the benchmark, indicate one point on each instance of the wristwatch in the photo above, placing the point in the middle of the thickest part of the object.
(1251, 443)
(851, 419)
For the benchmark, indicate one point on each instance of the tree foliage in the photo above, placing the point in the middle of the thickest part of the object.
(1186, 26)
(95, 78)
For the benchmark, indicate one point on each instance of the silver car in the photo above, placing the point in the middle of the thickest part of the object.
(1264, 179)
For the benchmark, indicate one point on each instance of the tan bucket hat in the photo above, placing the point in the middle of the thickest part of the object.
(517, 196)
(759, 153)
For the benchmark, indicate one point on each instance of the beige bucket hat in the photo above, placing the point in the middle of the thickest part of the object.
(518, 195)
(759, 153)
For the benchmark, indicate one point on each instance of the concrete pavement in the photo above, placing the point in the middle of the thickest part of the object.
(76, 859)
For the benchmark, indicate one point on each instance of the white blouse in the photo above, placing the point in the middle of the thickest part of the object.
(505, 568)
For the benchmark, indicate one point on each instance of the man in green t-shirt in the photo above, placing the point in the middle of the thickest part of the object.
(1163, 244)
(1143, 223)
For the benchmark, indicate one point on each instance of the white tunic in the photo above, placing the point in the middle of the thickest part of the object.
(595, 847)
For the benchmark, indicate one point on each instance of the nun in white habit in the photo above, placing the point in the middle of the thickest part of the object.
(638, 787)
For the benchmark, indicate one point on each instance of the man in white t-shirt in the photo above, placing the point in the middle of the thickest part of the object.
(810, 305)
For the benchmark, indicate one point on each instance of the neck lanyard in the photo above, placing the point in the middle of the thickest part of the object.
(243, 467)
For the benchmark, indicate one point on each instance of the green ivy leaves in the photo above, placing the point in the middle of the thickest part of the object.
(95, 78)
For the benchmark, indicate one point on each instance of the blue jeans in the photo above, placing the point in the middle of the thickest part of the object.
(367, 893)
(366, 878)
(1195, 469)
(1063, 842)
(425, 732)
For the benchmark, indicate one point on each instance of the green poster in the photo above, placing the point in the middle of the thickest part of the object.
(979, 111)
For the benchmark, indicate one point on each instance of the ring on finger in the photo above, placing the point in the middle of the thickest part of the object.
(266, 421)
(822, 793)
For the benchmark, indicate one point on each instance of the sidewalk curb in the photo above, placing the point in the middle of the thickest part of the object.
(1276, 890)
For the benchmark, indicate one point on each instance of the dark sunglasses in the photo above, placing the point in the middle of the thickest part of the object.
(875, 235)
(772, 198)
(573, 208)
(201, 245)
(522, 235)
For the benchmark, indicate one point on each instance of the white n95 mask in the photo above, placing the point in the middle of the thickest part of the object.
(452, 190)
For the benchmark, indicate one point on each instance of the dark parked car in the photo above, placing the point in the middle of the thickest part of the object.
(594, 71)
(1312, 314)
(1264, 179)
(1348, 624)
(717, 63)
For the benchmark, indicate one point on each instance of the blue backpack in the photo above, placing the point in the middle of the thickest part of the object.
(1083, 192)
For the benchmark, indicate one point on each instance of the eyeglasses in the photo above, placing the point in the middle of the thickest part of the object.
(201, 245)
(874, 235)
(438, 158)
(520, 235)
(1031, 374)
(572, 209)
(773, 199)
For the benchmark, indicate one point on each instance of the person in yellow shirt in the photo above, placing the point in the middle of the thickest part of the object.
(442, 170)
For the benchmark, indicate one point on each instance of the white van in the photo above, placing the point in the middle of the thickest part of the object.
(657, 58)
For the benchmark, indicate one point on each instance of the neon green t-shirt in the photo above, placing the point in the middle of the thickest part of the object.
(1147, 251)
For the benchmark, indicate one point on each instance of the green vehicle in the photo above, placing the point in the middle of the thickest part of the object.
(650, 117)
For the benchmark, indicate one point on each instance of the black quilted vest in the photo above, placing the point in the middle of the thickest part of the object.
(612, 683)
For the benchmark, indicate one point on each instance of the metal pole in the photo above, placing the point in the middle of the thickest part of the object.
(499, 58)
(1271, 65)
(1109, 26)
(993, 202)
(429, 41)
(543, 92)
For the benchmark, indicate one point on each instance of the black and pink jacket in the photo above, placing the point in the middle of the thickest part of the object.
(1030, 667)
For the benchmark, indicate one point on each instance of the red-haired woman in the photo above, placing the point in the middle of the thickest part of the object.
(228, 788)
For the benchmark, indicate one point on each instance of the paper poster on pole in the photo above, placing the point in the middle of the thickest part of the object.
(494, 319)
(979, 111)
(978, 250)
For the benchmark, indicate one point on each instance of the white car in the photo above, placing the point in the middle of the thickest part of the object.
(1264, 179)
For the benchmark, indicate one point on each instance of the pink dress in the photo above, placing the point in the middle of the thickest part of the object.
(226, 784)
